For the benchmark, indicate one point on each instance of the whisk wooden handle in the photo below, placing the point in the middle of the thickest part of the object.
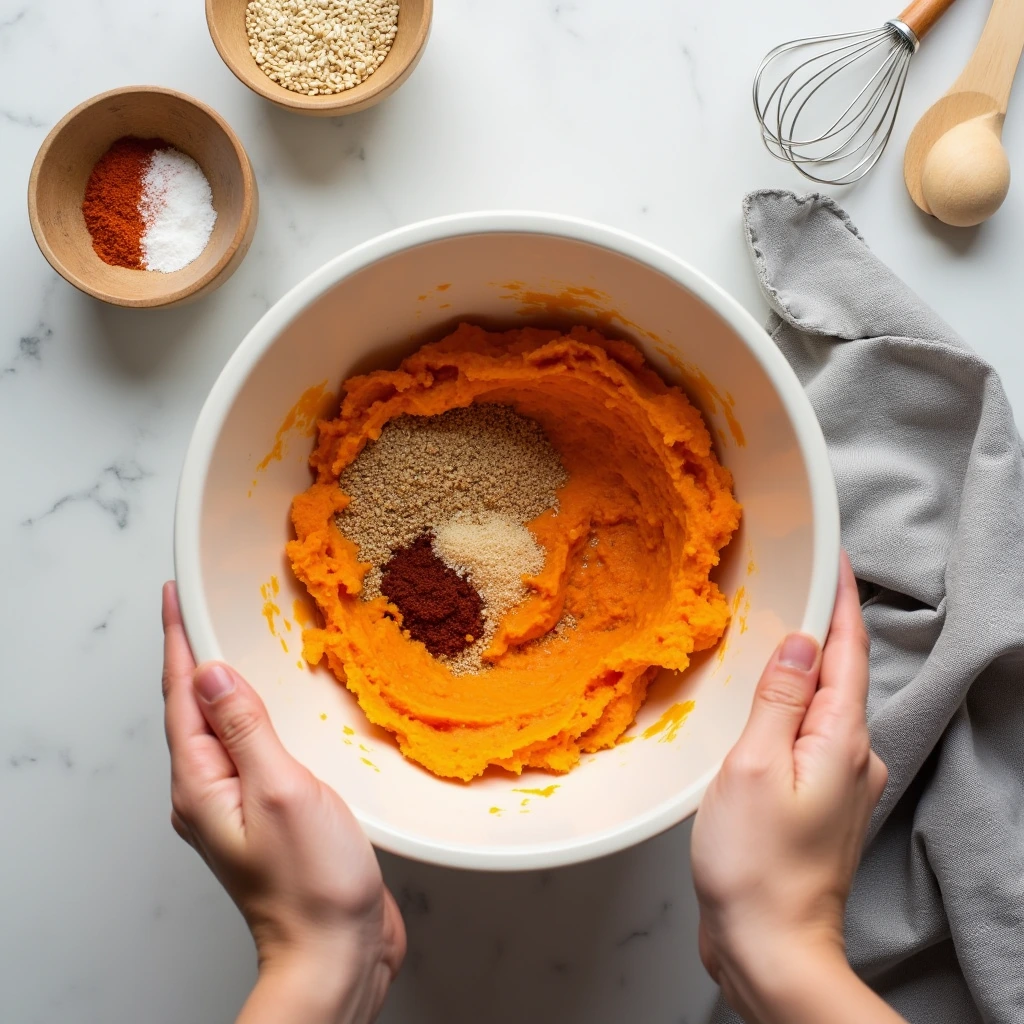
(920, 15)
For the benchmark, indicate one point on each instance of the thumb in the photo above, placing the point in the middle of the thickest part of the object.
(239, 719)
(782, 697)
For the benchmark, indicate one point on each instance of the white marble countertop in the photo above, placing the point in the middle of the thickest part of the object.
(634, 114)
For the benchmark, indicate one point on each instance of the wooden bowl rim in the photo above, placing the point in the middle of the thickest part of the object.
(177, 295)
(337, 103)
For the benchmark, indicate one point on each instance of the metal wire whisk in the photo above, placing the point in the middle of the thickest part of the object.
(797, 116)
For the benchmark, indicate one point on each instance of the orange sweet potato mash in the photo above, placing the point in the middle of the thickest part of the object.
(641, 522)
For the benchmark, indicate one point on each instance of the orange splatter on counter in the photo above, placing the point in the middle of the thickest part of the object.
(670, 722)
(640, 525)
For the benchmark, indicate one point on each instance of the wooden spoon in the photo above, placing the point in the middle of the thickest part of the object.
(968, 176)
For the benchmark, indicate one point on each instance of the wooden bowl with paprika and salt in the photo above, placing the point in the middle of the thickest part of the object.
(142, 115)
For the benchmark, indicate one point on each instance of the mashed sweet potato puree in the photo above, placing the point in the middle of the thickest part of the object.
(641, 521)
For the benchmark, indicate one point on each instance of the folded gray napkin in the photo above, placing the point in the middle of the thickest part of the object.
(928, 465)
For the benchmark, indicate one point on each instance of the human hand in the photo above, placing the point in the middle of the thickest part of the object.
(289, 852)
(780, 830)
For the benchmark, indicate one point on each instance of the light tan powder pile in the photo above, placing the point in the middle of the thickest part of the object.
(495, 553)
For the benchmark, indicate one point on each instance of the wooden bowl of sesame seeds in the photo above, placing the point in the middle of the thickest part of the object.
(320, 57)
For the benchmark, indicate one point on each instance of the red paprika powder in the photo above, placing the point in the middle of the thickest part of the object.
(111, 204)
(439, 608)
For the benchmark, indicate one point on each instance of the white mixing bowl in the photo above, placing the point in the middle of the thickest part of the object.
(368, 308)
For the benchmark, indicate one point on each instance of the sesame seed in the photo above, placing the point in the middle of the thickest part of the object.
(320, 47)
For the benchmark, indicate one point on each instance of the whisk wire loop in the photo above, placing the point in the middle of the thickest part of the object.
(821, 78)
(846, 148)
(853, 141)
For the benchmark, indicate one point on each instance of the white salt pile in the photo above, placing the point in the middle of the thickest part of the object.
(177, 209)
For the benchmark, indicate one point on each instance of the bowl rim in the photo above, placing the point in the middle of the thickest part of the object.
(824, 501)
(334, 105)
(238, 239)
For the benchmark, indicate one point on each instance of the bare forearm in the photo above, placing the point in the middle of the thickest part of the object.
(280, 997)
(812, 990)
(302, 994)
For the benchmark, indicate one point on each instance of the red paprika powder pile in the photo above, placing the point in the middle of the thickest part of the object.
(439, 608)
(112, 195)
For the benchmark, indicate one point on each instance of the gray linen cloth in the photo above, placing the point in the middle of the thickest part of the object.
(928, 466)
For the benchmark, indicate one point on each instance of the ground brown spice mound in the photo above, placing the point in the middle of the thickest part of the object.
(439, 608)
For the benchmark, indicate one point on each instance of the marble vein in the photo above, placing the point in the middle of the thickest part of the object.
(23, 120)
(412, 902)
(29, 349)
(14, 19)
(110, 493)
(660, 922)
(37, 756)
(691, 69)
(559, 11)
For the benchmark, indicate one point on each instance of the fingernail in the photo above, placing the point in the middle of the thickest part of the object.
(798, 651)
(213, 682)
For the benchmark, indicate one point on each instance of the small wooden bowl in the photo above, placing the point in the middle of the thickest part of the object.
(62, 167)
(226, 19)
